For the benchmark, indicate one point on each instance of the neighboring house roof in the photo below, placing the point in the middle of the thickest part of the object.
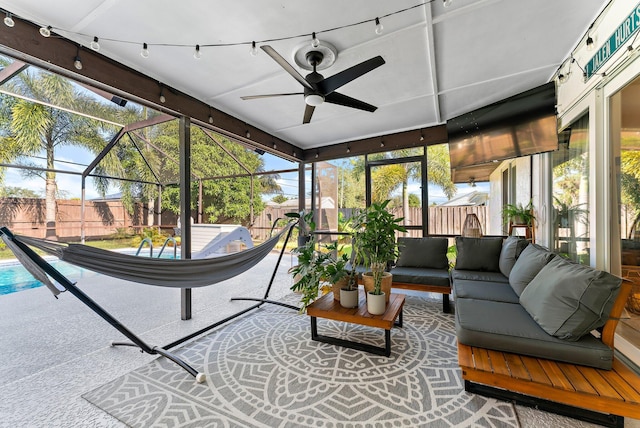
(326, 202)
(473, 198)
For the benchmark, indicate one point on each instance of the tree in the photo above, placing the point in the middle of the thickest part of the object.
(17, 192)
(279, 199)
(32, 128)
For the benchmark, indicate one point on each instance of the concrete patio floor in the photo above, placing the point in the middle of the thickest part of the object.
(53, 351)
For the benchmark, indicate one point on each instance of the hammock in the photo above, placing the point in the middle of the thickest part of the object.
(177, 273)
(188, 273)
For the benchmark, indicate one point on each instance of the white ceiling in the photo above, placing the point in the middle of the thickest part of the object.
(440, 62)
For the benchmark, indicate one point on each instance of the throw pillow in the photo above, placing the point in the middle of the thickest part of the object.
(478, 253)
(511, 249)
(568, 300)
(428, 252)
(531, 261)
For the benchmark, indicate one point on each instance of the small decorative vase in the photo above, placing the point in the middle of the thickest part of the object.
(376, 304)
(349, 298)
(337, 287)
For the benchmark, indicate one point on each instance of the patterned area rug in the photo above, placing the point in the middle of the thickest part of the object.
(263, 370)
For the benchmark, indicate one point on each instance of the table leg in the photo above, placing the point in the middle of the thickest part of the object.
(314, 328)
(387, 343)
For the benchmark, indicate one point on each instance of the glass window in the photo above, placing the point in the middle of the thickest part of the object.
(570, 189)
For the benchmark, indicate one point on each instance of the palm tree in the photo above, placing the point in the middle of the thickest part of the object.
(31, 128)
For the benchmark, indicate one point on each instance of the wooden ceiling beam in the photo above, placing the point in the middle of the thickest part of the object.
(400, 140)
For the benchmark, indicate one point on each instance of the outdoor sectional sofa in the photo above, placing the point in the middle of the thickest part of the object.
(536, 328)
(423, 266)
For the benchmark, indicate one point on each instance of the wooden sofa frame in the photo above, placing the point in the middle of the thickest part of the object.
(595, 395)
(445, 291)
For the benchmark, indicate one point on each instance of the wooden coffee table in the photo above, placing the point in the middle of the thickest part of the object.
(327, 307)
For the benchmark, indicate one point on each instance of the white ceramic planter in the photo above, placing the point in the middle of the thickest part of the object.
(349, 298)
(376, 304)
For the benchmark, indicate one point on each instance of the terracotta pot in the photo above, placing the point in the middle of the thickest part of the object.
(349, 298)
(387, 279)
(376, 303)
(335, 288)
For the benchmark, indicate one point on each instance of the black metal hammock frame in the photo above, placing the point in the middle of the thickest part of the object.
(201, 272)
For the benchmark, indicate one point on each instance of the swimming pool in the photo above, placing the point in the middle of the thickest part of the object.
(14, 277)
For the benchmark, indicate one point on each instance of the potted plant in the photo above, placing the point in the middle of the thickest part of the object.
(518, 214)
(317, 264)
(375, 244)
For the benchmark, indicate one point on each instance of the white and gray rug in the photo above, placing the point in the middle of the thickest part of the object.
(263, 370)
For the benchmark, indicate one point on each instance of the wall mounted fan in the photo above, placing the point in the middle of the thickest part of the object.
(317, 88)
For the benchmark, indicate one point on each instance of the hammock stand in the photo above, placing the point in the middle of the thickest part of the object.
(33, 258)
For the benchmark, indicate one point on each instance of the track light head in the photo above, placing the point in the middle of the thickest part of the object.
(144, 53)
(8, 20)
(45, 31)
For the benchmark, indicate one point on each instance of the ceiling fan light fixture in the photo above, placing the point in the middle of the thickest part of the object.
(314, 100)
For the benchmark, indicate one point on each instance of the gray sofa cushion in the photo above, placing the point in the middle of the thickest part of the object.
(508, 327)
(484, 290)
(424, 276)
(480, 254)
(531, 261)
(427, 252)
(476, 275)
(511, 249)
(569, 300)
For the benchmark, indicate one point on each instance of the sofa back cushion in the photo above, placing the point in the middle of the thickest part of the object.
(481, 254)
(511, 249)
(568, 300)
(532, 259)
(428, 253)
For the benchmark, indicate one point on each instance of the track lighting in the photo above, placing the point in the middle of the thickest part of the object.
(379, 27)
(45, 31)
(94, 44)
(421, 136)
(77, 62)
(162, 98)
(381, 143)
(447, 3)
(315, 42)
(197, 54)
(317, 154)
(254, 49)
(248, 134)
(8, 20)
(275, 146)
(210, 116)
(144, 53)
(295, 155)
(348, 149)
(562, 78)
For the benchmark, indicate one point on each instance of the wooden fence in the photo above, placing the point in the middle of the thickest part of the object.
(26, 216)
(442, 220)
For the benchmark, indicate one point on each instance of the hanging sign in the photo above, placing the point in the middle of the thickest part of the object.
(621, 34)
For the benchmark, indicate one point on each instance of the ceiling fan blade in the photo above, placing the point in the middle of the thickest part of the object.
(332, 83)
(308, 112)
(255, 97)
(343, 100)
(284, 64)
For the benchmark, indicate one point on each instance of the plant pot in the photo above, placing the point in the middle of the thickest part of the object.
(349, 298)
(335, 288)
(376, 303)
(387, 279)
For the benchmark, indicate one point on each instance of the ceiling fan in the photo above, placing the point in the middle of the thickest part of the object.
(317, 88)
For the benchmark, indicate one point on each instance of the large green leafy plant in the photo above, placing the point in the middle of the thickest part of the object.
(375, 239)
(316, 263)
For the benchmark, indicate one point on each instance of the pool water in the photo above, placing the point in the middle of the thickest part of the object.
(14, 277)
